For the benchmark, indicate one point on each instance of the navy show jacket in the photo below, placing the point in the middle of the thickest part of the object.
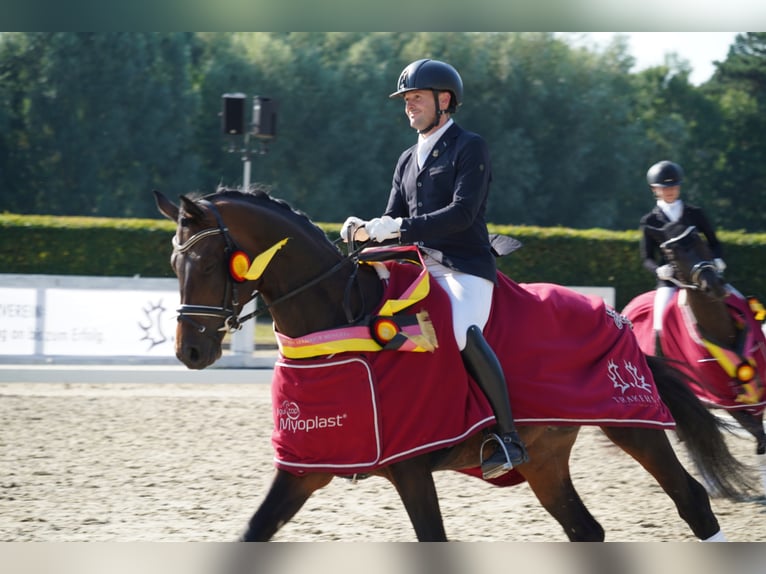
(650, 252)
(443, 204)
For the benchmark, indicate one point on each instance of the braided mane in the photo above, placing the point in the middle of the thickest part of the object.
(259, 195)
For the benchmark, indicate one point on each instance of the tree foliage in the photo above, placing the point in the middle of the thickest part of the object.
(91, 122)
(738, 183)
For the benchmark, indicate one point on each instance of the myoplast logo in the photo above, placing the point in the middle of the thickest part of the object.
(290, 419)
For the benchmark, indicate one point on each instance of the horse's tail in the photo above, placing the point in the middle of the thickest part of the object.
(702, 434)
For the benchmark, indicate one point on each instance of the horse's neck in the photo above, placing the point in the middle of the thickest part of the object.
(713, 318)
(306, 285)
(336, 301)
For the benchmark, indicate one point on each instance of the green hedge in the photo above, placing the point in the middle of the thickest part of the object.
(50, 245)
(141, 247)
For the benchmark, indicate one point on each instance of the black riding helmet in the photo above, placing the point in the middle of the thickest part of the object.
(665, 174)
(431, 75)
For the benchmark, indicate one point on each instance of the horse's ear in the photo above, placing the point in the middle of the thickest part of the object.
(166, 207)
(191, 208)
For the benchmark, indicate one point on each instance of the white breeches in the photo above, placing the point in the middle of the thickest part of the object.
(661, 299)
(470, 297)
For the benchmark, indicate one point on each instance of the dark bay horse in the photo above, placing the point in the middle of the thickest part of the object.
(711, 331)
(309, 285)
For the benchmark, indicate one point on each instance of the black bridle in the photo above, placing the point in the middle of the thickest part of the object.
(229, 311)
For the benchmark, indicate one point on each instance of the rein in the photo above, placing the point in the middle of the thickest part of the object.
(227, 312)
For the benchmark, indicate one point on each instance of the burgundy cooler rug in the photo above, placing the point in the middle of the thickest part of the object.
(682, 341)
(568, 358)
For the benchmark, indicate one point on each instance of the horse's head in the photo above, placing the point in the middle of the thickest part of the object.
(691, 257)
(212, 294)
(225, 252)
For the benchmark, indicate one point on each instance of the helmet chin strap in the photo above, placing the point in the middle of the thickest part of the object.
(437, 116)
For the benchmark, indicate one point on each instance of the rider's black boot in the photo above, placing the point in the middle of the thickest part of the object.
(658, 344)
(483, 366)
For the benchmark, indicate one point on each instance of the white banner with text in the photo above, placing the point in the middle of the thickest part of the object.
(87, 322)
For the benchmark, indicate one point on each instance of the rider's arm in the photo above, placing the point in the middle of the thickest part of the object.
(647, 248)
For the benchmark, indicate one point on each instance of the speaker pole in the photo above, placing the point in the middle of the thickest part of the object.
(246, 164)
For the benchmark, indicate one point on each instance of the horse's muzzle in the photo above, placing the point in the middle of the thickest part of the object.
(196, 350)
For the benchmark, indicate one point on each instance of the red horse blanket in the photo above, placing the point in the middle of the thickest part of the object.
(681, 340)
(568, 358)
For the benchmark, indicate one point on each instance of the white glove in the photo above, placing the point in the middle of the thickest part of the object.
(720, 265)
(350, 227)
(664, 272)
(382, 228)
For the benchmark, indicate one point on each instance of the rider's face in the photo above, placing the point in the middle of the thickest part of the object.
(420, 109)
(667, 194)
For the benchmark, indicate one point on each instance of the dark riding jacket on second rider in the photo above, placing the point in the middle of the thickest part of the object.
(438, 201)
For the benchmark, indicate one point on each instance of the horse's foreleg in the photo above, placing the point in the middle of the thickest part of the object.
(287, 494)
(653, 451)
(415, 484)
(548, 475)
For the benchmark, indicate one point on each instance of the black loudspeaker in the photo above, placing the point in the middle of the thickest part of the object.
(264, 117)
(233, 114)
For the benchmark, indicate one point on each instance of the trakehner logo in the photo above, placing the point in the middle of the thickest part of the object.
(634, 380)
(289, 414)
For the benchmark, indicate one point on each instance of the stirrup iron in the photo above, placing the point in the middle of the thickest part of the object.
(500, 469)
